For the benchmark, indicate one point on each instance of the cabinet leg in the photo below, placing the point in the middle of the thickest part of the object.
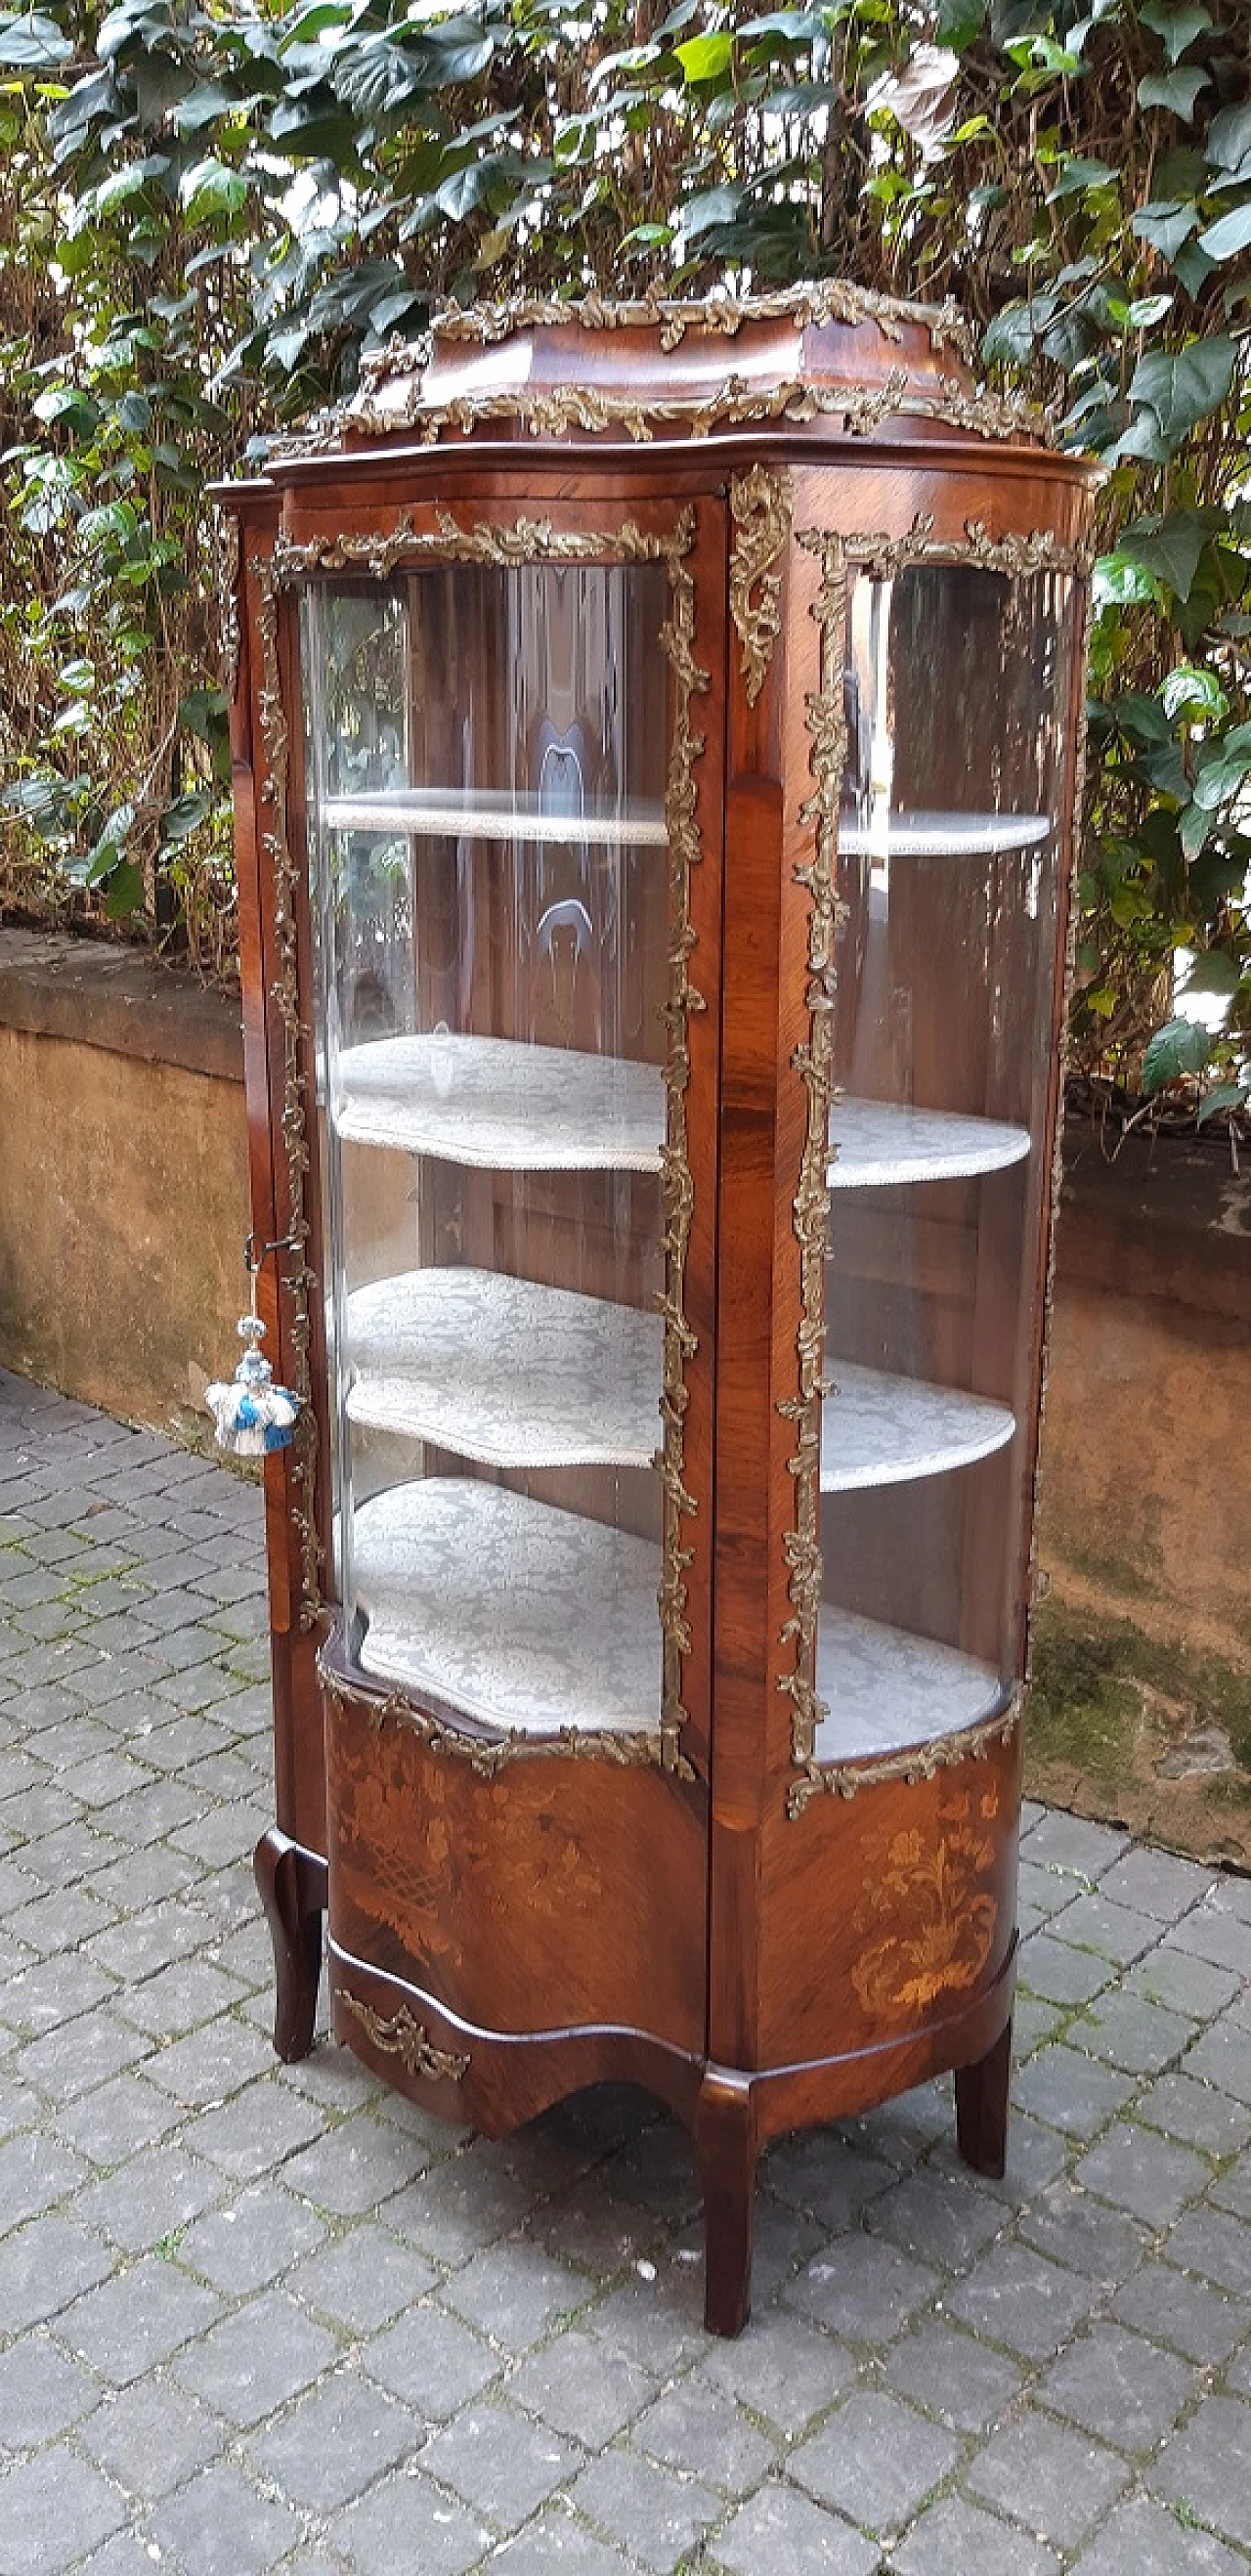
(982, 2107)
(292, 1888)
(725, 2137)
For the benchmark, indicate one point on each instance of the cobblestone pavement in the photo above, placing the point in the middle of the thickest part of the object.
(255, 2316)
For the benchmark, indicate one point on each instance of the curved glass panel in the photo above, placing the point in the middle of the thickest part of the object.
(485, 768)
(956, 693)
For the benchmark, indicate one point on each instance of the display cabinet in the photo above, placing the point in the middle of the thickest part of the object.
(655, 733)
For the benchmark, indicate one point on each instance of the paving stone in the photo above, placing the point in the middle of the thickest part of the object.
(1205, 2467)
(1223, 2057)
(499, 2462)
(256, 2359)
(179, 1998)
(1036, 2154)
(556, 2541)
(45, 2265)
(1072, 2227)
(355, 2167)
(41, 2394)
(651, 2511)
(577, 2385)
(56, 2508)
(1140, 2037)
(863, 2289)
(1157, 1883)
(208, 2064)
(1233, 2191)
(262, 2127)
(1053, 2480)
(514, 2292)
(784, 2240)
(1195, 2113)
(658, 2324)
(151, 2198)
(60, 1921)
(787, 2534)
(1072, 1843)
(874, 2461)
(364, 2280)
(937, 2218)
(1212, 2242)
(220, 2525)
(250, 2240)
(432, 2361)
(335, 2441)
(137, 2319)
(1116, 1932)
(1170, 2307)
(151, 2437)
(954, 2376)
(1142, 2539)
(35, 2173)
(1215, 1931)
(697, 2427)
(1119, 2386)
(406, 2527)
(958, 2539)
(817, 2170)
(1142, 2172)
(1015, 2297)
(1033, 2023)
(783, 2370)
(1071, 2091)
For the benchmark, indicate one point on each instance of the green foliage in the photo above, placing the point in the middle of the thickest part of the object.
(207, 215)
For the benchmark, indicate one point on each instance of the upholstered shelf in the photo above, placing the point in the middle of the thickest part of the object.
(498, 1105)
(882, 1430)
(515, 1374)
(886, 1689)
(877, 1145)
(925, 836)
(524, 1617)
(505, 1370)
(492, 814)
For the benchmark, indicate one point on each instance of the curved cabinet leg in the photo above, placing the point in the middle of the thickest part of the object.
(982, 2107)
(725, 2138)
(292, 1884)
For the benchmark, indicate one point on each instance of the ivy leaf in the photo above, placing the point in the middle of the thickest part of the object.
(125, 891)
(1229, 234)
(1180, 1047)
(704, 58)
(32, 43)
(210, 189)
(1229, 138)
(1227, 1095)
(1174, 91)
(1170, 548)
(1195, 690)
(1183, 388)
(1177, 23)
(1164, 225)
(1213, 971)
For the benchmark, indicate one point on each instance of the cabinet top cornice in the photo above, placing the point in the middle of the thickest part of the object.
(826, 360)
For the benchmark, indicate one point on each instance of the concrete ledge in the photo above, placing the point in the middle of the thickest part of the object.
(120, 999)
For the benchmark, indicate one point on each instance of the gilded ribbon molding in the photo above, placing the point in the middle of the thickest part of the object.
(916, 1761)
(400, 2035)
(1019, 556)
(827, 299)
(488, 1755)
(524, 541)
(760, 506)
(736, 404)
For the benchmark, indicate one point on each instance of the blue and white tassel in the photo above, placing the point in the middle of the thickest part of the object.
(251, 1413)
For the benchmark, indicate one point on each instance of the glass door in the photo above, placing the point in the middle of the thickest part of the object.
(955, 694)
(486, 765)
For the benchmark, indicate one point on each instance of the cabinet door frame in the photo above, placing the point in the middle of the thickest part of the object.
(507, 526)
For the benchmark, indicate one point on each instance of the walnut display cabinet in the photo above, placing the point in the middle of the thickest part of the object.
(655, 734)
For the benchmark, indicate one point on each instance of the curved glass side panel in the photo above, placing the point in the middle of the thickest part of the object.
(955, 693)
(485, 768)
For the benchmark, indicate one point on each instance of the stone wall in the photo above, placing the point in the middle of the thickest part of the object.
(123, 1176)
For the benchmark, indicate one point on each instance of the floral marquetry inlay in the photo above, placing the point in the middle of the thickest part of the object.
(938, 1922)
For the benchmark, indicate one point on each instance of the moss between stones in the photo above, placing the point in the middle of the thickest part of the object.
(1158, 1736)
